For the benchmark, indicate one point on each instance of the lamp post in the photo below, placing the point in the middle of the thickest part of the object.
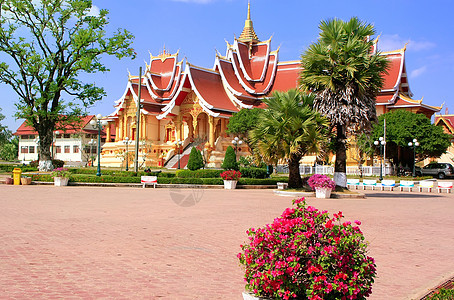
(98, 124)
(414, 145)
(54, 140)
(236, 143)
(127, 141)
(381, 143)
(178, 144)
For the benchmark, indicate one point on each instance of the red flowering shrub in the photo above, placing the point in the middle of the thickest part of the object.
(321, 181)
(230, 175)
(305, 254)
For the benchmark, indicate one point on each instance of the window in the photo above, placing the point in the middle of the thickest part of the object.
(57, 149)
(75, 149)
(31, 137)
(24, 149)
(58, 136)
(31, 149)
(67, 149)
(66, 136)
(24, 137)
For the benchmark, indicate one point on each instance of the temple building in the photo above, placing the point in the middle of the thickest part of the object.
(446, 121)
(183, 105)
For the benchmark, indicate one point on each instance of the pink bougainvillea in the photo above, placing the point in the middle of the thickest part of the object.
(305, 254)
(321, 181)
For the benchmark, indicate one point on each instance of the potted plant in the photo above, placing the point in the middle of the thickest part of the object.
(230, 179)
(8, 180)
(25, 180)
(61, 176)
(307, 254)
(322, 184)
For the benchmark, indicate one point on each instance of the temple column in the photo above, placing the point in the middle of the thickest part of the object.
(108, 132)
(117, 130)
(178, 128)
(211, 122)
(120, 129)
(159, 130)
(223, 127)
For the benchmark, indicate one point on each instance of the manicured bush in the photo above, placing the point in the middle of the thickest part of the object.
(229, 162)
(58, 163)
(195, 161)
(305, 254)
(205, 173)
(251, 172)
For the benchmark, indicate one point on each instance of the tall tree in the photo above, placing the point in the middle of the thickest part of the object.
(243, 121)
(401, 128)
(45, 46)
(346, 77)
(288, 129)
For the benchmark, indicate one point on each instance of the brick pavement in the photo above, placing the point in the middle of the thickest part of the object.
(133, 243)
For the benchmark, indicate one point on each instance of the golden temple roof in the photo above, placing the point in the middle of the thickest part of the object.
(248, 34)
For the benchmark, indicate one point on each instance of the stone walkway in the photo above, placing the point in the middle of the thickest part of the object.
(133, 243)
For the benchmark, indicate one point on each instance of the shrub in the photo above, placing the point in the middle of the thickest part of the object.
(57, 163)
(442, 294)
(252, 172)
(229, 162)
(206, 173)
(231, 175)
(321, 181)
(195, 161)
(306, 254)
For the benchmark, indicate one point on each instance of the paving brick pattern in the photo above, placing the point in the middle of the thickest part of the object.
(133, 243)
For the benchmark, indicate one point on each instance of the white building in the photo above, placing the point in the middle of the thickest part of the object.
(75, 145)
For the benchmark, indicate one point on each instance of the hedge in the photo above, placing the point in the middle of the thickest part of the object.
(9, 168)
(251, 172)
(204, 173)
(161, 180)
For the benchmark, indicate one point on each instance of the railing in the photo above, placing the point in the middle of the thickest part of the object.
(328, 170)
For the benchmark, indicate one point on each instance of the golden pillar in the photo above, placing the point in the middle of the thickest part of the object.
(211, 122)
(178, 128)
(108, 132)
(223, 127)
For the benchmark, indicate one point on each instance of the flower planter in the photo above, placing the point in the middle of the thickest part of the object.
(247, 296)
(9, 180)
(61, 181)
(230, 184)
(26, 180)
(322, 192)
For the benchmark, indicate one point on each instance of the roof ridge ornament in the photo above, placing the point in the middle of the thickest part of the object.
(248, 34)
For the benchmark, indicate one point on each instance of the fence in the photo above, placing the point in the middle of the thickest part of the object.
(328, 170)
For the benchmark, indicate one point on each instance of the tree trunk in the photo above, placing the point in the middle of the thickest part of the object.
(45, 143)
(294, 177)
(340, 166)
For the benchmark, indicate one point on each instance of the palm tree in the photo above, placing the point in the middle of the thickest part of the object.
(288, 129)
(346, 77)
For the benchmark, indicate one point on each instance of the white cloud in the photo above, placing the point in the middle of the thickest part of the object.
(94, 11)
(388, 42)
(418, 72)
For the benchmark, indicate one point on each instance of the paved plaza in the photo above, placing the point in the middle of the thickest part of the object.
(133, 243)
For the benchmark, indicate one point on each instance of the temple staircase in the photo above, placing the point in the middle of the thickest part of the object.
(172, 163)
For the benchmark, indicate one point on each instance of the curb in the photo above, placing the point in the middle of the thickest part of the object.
(334, 195)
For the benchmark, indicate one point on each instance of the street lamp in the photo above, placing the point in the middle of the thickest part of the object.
(381, 143)
(54, 140)
(127, 141)
(97, 123)
(414, 144)
(236, 143)
(178, 144)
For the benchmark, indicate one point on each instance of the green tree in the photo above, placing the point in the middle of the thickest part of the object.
(229, 162)
(346, 77)
(195, 161)
(243, 121)
(5, 134)
(47, 45)
(289, 129)
(401, 128)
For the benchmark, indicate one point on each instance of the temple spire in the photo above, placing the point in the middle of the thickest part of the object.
(248, 34)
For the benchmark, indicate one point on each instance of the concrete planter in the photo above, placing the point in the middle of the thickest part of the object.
(61, 181)
(247, 296)
(322, 192)
(230, 184)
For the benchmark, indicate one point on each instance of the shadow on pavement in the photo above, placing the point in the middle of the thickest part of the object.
(400, 195)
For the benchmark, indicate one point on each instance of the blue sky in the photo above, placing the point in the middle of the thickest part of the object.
(198, 27)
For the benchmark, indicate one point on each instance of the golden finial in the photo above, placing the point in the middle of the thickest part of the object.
(129, 74)
(405, 47)
(248, 34)
(249, 10)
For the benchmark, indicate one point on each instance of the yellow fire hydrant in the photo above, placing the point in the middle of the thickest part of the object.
(17, 172)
